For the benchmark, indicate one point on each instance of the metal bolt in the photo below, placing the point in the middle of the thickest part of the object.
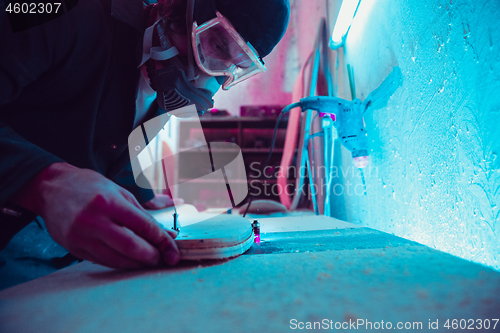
(256, 230)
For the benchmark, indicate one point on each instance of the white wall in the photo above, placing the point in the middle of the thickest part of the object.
(434, 149)
(274, 87)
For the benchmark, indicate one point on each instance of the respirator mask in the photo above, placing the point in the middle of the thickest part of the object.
(175, 82)
(214, 48)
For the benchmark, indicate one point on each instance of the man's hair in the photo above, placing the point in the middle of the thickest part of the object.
(173, 9)
(261, 22)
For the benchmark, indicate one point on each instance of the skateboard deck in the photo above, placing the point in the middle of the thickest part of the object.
(208, 236)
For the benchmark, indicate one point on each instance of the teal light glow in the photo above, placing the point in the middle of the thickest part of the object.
(344, 19)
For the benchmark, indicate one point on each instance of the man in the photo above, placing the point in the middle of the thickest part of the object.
(70, 98)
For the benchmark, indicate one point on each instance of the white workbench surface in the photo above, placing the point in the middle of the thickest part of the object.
(259, 293)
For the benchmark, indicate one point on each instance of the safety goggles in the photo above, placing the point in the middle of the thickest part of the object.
(220, 51)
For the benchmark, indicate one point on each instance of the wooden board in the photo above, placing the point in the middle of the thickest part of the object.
(219, 237)
(207, 236)
(216, 252)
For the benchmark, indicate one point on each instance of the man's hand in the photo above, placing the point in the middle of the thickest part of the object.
(161, 201)
(97, 220)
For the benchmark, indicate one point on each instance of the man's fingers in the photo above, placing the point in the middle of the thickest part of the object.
(129, 244)
(143, 225)
(161, 201)
(83, 254)
(169, 255)
(130, 197)
(178, 201)
(87, 256)
(172, 233)
(102, 254)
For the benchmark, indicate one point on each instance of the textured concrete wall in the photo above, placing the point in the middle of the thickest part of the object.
(434, 174)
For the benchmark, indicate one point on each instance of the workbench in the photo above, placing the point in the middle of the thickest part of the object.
(307, 269)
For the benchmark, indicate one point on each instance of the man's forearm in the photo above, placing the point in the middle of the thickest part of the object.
(31, 195)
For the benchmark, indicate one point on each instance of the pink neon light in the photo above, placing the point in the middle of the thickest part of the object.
(257, 239)
(331, 115)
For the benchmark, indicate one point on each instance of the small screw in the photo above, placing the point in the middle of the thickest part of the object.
(177, 225)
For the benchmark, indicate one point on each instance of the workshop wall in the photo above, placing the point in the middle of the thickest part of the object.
(274, 87)
(435, 172)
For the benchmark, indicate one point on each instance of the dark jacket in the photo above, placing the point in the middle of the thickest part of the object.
(67, 93)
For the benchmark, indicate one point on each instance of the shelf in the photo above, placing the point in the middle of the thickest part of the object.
(237, 119)
(245, 132)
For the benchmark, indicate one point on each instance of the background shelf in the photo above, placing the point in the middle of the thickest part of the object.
(252, 134)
